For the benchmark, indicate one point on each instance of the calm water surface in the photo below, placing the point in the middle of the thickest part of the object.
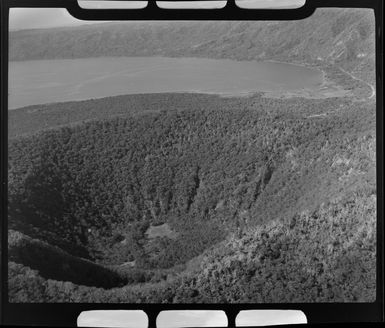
(46, 81)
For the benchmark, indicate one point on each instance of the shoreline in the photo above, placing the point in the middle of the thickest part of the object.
(332, 85)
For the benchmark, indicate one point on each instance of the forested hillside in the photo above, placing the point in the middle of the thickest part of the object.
(344, 37)
(193, 198)
(323, 256)
(94, 189)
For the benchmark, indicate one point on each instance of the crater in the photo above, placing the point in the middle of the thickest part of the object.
(138, 193)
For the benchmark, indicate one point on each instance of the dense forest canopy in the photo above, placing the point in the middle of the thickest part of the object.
(198, 198)
(93, 189)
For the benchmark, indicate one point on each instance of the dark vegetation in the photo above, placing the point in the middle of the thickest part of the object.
(323, 256)
(93, 189)
(52, 262)
(265, 200)
(29, 120)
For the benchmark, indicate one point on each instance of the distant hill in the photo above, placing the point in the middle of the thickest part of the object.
(341, 36)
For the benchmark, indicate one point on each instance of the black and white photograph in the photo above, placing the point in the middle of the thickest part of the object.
(192, 161)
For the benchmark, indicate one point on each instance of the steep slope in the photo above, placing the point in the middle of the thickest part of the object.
(54, 263)
(94, 189)
(339, 36)
(327, 255)
(322, 256)
(264, 200)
